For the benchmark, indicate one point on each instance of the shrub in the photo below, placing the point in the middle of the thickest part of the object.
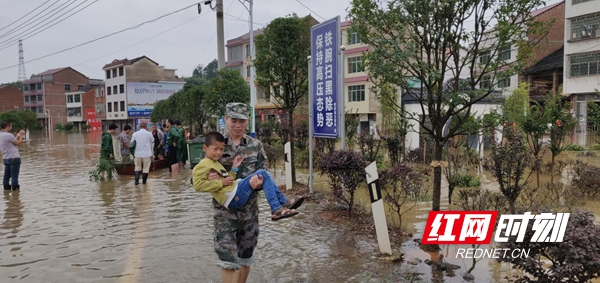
(586, 179)
(301, 134)
(301, 158)
(69, 126)
(369, 145)
(401, 184)
(465, 180)
(595, 147)
(393, 143)
(59, 127)
(102, 166)
(274, 156)
(575, 259)
(347, 168)
(573, 147)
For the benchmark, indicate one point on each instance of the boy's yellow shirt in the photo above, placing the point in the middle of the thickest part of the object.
(215, 188)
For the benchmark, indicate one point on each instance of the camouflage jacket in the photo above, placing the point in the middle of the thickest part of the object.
(253, 151)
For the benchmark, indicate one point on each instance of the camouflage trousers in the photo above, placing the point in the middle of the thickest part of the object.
(236, 233)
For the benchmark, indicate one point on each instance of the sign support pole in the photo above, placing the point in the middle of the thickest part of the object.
(310, 127)
(383, 238)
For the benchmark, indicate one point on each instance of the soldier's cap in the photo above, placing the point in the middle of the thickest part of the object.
(236, 110)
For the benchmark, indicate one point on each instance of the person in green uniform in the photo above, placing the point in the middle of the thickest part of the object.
(106, 147)
(181, 145)
(172, 143)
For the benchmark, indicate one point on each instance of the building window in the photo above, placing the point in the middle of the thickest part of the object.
(247, 71)
(121, 88)
(40, 110)
(356, 93)
(485, 82)
(353, 37)
(585, 64)
(109, 109)
(121, 71)
(248, 51)
(108, 91)
(485, 57)
(235, 53)
(503, 83)
(67, 87)
(504, 53)
(77, 98)
(33, 109)
(585, 27)
(115, 89)
(27, 98)
(74, 112)
(79, 87)
(33, 98)
(114, 73)
(116, 106)
(107, 74)
(102, 92)
(26, 87)
(69, 99)
(122, 106)
(32, 87)
(38, 86)
(580, 1)
(355, 65)
(39, 98)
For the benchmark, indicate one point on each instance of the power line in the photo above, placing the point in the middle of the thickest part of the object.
(310, 9)
(212, 37)
(29, 35)
(142, 40)
(103, 37)
(25, 24)
(25, 15)
(240, 18)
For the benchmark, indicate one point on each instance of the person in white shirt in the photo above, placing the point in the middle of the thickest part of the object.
(143, 152)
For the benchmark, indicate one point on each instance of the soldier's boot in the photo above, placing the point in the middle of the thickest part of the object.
(137, 177)
(7, 187)
(145, 177)
(16, 187)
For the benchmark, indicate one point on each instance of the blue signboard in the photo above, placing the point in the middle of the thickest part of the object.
(325, 43)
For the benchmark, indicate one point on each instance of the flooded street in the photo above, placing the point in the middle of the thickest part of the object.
(64, 228)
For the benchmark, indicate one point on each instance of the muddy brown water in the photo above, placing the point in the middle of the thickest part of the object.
(63, 228)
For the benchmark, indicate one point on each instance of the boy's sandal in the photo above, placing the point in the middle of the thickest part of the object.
(294, 203)
(283, 213)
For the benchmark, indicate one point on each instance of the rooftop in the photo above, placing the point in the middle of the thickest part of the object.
(553, 61)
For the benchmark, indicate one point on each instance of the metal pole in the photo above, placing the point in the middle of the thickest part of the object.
(252, 87)
(310, 128)
(220, 35)
(341, 91)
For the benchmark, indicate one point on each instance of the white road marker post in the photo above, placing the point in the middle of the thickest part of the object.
(383, 238)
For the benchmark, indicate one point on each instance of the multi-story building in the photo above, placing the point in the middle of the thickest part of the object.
(582, 57)
(133, 86)
(100, 102)
(11, 98)
(79, 103)
(44, 93)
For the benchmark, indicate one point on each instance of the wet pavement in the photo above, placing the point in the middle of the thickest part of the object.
(63, 228)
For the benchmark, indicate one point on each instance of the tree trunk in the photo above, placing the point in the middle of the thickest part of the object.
(291, 140)
(437, 178)
(537, 172)
(552, 170)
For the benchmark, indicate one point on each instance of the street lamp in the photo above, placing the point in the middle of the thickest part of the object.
(252, 86)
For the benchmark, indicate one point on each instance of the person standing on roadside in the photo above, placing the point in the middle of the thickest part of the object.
(181, 145)
(158, 141)
(143, 152)
(125, 143)
(10, 156)
(172, 142)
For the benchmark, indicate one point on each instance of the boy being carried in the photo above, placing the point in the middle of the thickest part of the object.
(232, 193)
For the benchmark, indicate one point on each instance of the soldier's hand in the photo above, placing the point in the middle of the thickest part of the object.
(228, 181)
(213, 175)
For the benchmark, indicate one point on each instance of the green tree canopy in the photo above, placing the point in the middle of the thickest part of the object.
(434, 42)
(281, 60)
(20, 119)
(227, 87)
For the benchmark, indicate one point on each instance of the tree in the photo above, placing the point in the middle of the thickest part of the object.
(227, 87)
(281, 61)
(20, 119)
(516, 105)
(203, 74)
(163, 109)
(435, 42)
(18, 85)
(535, 126)
(562, 122)
(191, 105)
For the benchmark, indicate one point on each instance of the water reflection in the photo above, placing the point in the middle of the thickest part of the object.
(13, 213)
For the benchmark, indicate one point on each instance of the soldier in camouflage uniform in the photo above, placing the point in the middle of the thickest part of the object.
(236, 230)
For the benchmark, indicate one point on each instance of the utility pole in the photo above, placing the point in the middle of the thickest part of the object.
(220, 35)
(252, 86)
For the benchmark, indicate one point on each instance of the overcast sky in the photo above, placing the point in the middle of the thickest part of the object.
(182, 48)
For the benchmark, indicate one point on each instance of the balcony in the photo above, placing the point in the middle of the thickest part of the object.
(74, 114)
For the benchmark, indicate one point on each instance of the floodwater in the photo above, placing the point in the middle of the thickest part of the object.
(63, 228)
